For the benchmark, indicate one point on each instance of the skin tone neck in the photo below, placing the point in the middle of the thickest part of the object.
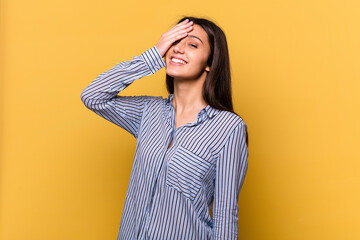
(188, 99)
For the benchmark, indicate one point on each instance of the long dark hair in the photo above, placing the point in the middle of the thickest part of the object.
(217, 86)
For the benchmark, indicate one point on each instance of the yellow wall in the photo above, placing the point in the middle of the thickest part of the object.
(296, 71)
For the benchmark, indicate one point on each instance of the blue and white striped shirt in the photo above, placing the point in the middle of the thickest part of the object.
(171, 190)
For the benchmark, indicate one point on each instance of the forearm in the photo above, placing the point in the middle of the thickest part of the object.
(108, 84)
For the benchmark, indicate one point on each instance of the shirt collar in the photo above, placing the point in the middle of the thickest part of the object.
(208, 110)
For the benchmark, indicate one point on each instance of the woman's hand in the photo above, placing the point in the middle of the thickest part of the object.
(179, 31)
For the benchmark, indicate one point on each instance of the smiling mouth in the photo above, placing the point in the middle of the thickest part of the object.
(176, 60)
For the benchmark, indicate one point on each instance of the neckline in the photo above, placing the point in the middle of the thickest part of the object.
(209, 111)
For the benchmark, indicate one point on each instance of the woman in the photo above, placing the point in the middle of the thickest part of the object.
(191, 147)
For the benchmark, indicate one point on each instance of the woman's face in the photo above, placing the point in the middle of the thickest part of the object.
(187, 57)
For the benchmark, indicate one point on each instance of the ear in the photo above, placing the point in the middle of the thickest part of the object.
(207, 69)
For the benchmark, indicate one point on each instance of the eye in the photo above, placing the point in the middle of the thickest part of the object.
(193, 45)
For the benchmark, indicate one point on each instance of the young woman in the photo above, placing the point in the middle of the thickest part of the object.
(191, 149)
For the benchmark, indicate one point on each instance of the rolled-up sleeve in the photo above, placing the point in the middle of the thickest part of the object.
(231, 169)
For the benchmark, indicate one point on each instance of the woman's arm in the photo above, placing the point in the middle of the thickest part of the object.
(125, 111)
(231, 169)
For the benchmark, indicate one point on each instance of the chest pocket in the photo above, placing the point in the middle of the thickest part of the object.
(186, 171)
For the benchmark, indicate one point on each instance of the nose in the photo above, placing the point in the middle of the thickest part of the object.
(179, 47)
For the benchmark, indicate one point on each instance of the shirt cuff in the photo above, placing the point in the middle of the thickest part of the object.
(153, 59)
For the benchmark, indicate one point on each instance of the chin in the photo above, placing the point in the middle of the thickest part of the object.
(177, 75)
(173, 74)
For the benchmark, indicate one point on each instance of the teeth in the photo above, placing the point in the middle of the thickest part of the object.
(177, 60)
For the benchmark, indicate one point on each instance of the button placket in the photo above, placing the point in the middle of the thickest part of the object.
(150, 205)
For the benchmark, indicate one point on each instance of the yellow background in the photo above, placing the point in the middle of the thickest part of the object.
(296, 78)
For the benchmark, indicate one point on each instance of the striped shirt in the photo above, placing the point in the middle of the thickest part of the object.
(171, 189)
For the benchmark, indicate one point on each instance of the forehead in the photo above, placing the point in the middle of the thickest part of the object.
(198, 32)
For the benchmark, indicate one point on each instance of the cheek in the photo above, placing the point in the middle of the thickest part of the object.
(170, 50)
(167, 55)
(203, 60)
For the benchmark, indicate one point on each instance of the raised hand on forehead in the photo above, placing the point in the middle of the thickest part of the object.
(177, 32)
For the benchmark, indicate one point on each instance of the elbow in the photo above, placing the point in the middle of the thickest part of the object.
(85, 98)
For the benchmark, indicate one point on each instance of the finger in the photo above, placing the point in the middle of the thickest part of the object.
(177, 37)
(178, 30)
(183, 22)
(181, 25)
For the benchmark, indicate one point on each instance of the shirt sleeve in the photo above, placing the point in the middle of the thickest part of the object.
(125, 111)
(231, 169)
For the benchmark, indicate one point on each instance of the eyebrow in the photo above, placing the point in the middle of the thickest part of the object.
(196, 38)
